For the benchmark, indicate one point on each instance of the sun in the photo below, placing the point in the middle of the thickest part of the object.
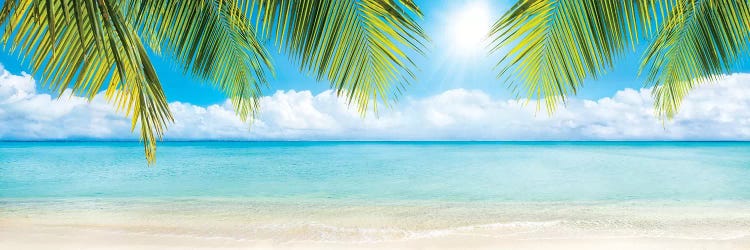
(467, 28)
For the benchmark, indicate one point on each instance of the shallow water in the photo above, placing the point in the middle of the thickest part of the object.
(382, 171)
(696, 193)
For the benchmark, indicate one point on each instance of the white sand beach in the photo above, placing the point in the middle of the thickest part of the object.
(243, 224)
(75, 238)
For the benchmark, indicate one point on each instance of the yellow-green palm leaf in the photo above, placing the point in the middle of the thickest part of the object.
(553, 45)
(361, 47)
(698, 42)
(87, 45)
(211, 40)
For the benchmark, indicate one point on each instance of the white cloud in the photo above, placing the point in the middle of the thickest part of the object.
(713, 112)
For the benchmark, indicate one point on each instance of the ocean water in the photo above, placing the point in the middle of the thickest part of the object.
(479, 193)
(381, 171)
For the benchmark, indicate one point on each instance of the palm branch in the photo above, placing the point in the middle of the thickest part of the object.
(554, 45)
(87, 45)
(699, 41)
(361, 47)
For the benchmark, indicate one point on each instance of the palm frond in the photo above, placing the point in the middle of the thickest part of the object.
(87, 45)
(554, 45)
(361, 47)
(212, 40)
(700, 41)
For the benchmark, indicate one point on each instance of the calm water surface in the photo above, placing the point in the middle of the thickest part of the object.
(381, 171)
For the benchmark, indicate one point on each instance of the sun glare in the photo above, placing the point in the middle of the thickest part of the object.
(468, 27)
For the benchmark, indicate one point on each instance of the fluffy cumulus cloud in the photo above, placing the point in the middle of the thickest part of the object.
(718, 111)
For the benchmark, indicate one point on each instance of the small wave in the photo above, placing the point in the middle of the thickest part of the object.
(319, 232)
(517, 227)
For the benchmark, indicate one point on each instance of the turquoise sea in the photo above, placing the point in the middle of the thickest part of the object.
(426, 195)
(381, 171)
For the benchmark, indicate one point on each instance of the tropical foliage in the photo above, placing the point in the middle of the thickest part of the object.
(89, 46)
(553, 45)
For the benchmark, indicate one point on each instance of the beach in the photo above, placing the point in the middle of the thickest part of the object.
(374, 124)
(375, 195)
(240, 223)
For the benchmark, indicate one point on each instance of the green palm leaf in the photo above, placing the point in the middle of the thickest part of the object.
(211, 40)
(698, 42)
(554, 45)
(87, 45)
(361, 47)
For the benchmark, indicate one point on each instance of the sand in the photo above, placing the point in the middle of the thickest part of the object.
(46, 237)
(248, 224)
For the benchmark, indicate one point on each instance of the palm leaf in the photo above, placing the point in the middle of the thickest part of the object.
(700, 41)
(87, 45)
(211, 40)
(361, 47)
(554, 45)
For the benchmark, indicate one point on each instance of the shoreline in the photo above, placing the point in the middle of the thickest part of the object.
(231, 223)
(65, 238)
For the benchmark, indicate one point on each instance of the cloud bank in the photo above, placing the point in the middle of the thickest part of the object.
(713, 112)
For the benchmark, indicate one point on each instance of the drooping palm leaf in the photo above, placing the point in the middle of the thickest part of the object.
(555, 44)
(212, 40)
(87, 45)
(361, 47)
(698, 42)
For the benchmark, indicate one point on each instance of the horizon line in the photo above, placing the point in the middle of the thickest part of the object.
(490, 141)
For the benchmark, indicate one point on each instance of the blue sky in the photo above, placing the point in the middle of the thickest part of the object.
(455, 97)
(438, 69)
